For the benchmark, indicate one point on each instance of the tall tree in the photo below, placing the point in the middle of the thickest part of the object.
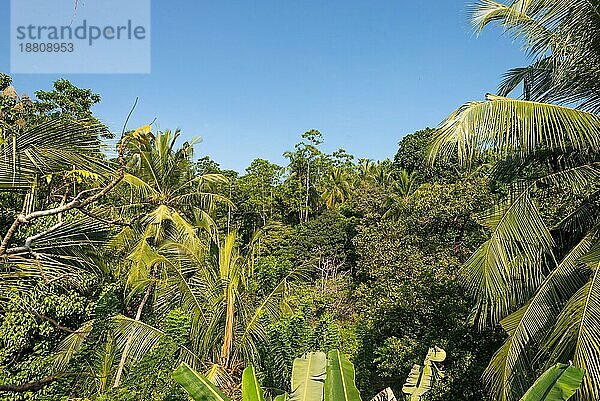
(537, 275)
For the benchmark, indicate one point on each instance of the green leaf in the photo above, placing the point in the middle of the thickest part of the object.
(339, 384)
(506, 269)
(419, 380)
(507, 126)
(197, 385)
(576, 333)
(511, 367)
(558, 383)
(251, 390)
(308, 377)
(282, 397)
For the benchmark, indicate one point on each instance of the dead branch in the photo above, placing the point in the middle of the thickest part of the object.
(31, 386)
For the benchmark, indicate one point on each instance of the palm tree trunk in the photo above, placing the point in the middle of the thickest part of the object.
(138, 316)
(307, 191)
(228, 335)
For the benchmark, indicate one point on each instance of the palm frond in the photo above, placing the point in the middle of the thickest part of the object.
(512, 370)
(48, 148)
(506, 126)
(505, 270)
(576, 334)
(69, 346)
(143, 337)
(517, 19)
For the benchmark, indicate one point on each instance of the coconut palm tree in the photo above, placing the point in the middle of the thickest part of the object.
(337, 188)
(167, 200)
(540, 282)
(48, 239)
(215, 285)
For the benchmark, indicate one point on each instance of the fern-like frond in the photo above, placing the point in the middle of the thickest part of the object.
(512, 370)
(506, 126)
(576, 335)
(505, 270)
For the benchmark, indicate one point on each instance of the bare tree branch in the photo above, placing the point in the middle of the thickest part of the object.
(79, 202)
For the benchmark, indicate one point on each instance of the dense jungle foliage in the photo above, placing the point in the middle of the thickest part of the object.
(125, 254)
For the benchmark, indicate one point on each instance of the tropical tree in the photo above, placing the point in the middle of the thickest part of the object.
(165, 195)
(54, 175)
(304, 168)
(538, 275)
(337, 188)
(214, 285)
(165, 200)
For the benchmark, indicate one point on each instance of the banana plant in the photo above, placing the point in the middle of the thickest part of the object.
(315, 377)
(558, 383)
(308, 377)
(339, 384)
(420, 379)
(385, 395)
(197, 385)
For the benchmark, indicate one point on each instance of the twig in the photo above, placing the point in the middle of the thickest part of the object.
(51, 321)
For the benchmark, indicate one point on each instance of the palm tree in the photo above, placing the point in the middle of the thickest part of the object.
(540, 282)
(401, 190)
(405, 184)
(166, 202)
(37, 168)
(216, 288)
(337, 188)
(164, 195)
(380, 172)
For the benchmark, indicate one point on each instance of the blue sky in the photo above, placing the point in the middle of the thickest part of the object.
(250, 77)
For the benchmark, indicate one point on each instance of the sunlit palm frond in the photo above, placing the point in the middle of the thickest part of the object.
(518, 18)
(576, 335)
(49, 148)
(579, 179)
(140, 187)
(506, 269)
(69, 346)
(562, 36)
(512, 370)
(143, 337)
(505, 126)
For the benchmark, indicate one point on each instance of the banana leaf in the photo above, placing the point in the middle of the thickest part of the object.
(558, 383)
(197, 385)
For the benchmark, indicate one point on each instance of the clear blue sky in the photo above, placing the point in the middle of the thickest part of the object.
(250, 76)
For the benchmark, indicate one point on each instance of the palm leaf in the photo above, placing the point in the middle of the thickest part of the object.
(504, 271)
(577, 332)
(69, 346)
(505, 126)
(51, 147)
(511, 369)
(143, 337)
